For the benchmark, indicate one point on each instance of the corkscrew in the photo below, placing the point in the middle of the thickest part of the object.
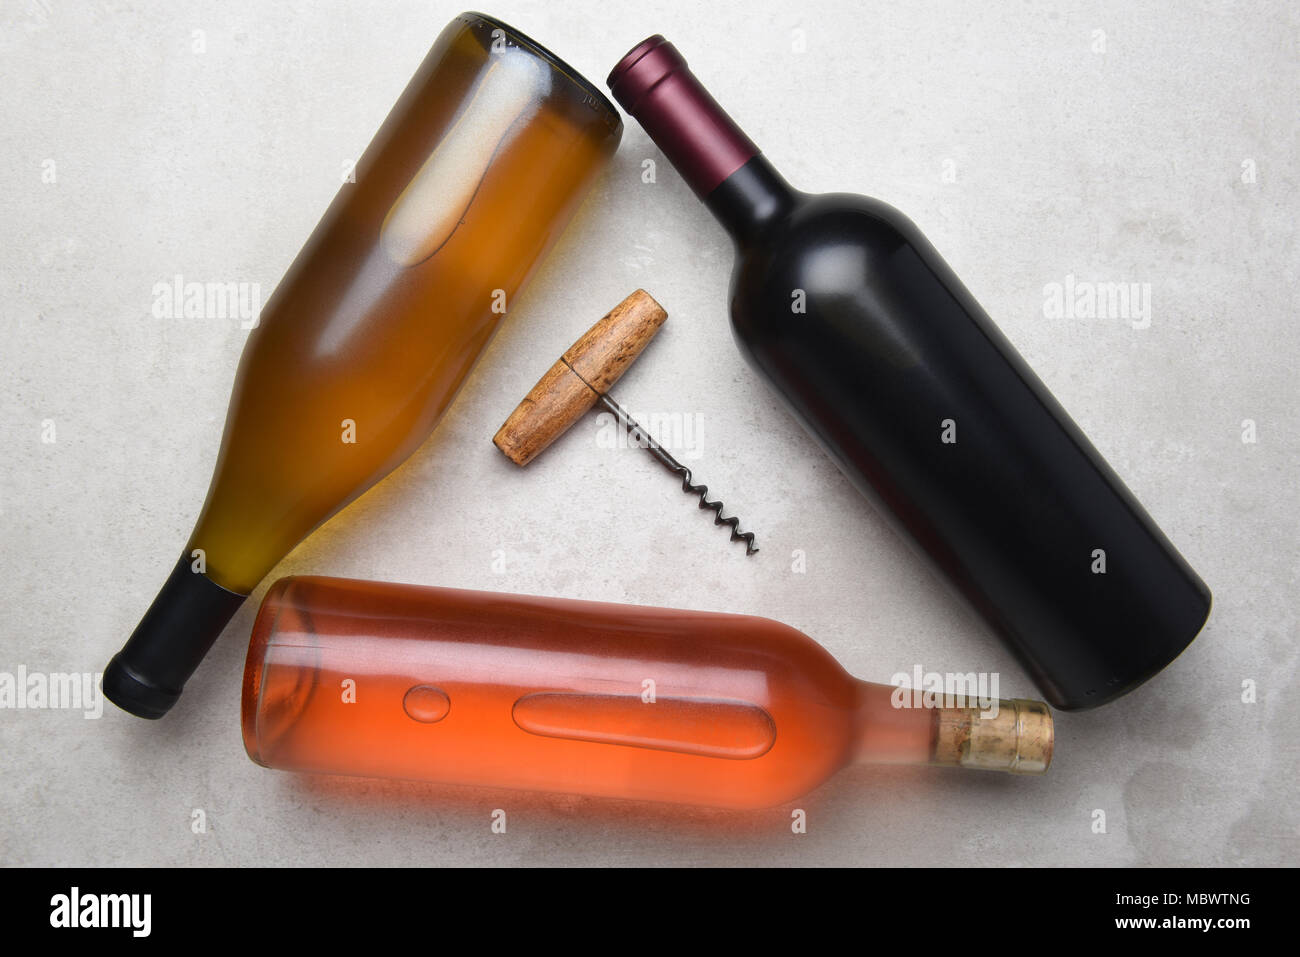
(581, 378)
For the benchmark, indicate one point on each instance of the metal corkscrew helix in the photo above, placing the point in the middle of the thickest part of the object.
(644, 439)
(581, 378)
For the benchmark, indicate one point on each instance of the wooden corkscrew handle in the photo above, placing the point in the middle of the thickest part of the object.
(580, 377)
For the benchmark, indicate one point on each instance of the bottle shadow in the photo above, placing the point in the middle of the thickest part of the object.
(866, 801)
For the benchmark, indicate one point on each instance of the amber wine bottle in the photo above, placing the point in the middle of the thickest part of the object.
(378, 321)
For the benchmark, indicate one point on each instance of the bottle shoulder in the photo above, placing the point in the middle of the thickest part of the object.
(843, 218)
(820, 241)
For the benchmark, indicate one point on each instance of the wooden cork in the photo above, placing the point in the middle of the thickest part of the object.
(1019, 738)
(581, 376)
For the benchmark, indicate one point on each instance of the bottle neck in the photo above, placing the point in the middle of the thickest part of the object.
(654, 84)
(751, 199)
(146, 677)
(715, 157)
(906, 726)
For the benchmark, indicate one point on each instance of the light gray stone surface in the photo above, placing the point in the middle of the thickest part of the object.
(1025, 151)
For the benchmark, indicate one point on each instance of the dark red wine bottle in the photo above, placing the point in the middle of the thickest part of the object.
(887, 359)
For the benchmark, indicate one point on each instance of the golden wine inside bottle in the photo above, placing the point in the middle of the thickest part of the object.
(378, 321)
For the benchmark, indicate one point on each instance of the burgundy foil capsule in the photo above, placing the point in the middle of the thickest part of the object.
(654, 85)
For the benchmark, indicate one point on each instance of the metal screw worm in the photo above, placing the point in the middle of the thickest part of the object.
(644, 439)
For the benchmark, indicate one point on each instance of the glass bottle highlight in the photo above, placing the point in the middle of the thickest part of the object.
(370, 334)
(464, 687)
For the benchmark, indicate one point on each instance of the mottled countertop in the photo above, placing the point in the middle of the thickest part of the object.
(1034, 144)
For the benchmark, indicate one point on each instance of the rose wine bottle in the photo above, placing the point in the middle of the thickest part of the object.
(464, 687)
(378, 321)
(887, 360)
